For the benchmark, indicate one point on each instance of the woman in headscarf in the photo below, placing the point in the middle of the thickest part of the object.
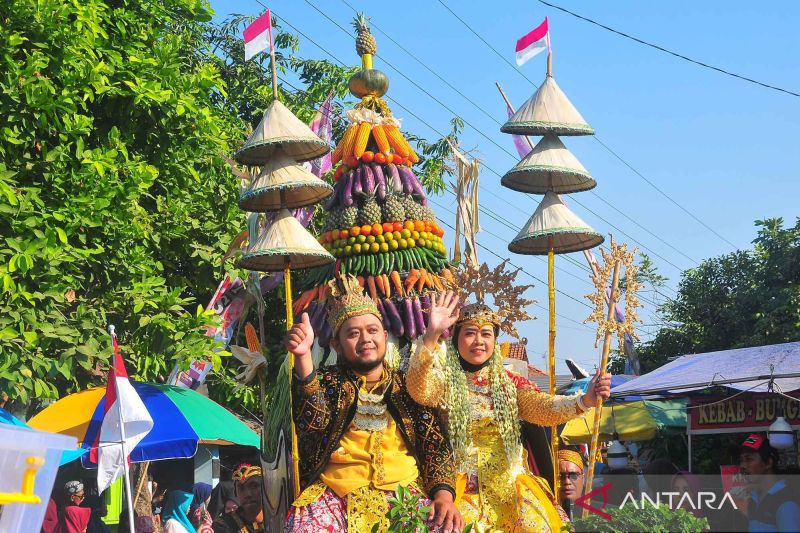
(223, 499)
(73, 518)
(175, 515)
(198, 510)
(484, 404)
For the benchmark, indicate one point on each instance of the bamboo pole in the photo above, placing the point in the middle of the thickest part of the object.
(551, 355)
(287, 283)
(598, 408)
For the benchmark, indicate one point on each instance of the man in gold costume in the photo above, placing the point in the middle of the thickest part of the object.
(360, 435)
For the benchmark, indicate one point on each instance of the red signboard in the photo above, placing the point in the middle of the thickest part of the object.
(746, 412)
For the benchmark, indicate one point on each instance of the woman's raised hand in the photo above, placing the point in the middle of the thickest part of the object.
(442, 315)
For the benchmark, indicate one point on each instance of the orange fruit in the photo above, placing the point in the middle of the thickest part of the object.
(387, 227)
(368, 156)
(409, 225)
(397, 226)
(366, 229)
(419, 225)
(344, 234)
(377, 229)
(380, 158)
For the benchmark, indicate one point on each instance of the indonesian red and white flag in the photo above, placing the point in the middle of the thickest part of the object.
(531, 44)
(122, 405)
(258, 35)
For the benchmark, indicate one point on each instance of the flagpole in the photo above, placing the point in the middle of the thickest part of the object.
(126, 476)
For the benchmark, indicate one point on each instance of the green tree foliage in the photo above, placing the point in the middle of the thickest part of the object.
(116, 203)
(741, 299)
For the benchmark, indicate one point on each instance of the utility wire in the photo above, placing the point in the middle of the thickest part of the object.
(441, 134)
(595, 137)
(670, 52)
(478, 130)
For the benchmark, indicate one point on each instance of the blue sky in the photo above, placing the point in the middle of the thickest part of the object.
(724, 149)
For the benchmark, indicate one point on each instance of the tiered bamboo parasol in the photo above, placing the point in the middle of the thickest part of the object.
(277, 144)
(550, 169)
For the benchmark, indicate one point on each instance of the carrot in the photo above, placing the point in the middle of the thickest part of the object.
(398, 283)
(379, 283)
(446, 274)
(423, 275)
(412, 278)
(361, 281)
(371, 286)
(387, 285)
(437, 281)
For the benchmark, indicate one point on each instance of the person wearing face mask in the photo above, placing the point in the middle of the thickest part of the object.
(484, 405)
(359, 433)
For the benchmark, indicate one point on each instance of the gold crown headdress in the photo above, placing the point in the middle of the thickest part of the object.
(245, 471)
(506, 292)
(346, 300)
(478, 314)
(572, 457)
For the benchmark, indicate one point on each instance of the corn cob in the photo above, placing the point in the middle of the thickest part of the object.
(362, 137)
(336, 156)
(252, 338)
(396, 139)
(379, 134)
(349, 140)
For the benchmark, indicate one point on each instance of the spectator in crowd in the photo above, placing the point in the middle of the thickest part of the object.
(772, 506)
(571, 477)
(175, 516)
(198, 510)
(223, 499)
(249, 516)
(73, 518)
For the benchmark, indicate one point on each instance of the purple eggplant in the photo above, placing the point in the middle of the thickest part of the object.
(409, 321)
(405, 180)
(387, 325)
(395, 183)
(318, 319)
(358, 185)
(425, 308)
(347, 189)
(367, 179)
(419, 320)
(324, 335)
(394, 318)
(380, 181)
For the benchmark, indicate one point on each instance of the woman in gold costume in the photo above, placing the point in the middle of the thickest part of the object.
(484, 404)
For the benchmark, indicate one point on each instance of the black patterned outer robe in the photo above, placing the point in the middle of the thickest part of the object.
(323, 405)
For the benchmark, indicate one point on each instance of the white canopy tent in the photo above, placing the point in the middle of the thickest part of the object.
(748, 369)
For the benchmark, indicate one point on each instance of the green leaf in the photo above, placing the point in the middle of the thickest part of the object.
(62, 236)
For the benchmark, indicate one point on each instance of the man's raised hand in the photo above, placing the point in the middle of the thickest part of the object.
(301, 337)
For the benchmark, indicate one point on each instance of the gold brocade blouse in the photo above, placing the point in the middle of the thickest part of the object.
(377, 457)
(425, 381)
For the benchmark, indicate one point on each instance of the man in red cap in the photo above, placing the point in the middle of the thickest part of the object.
(772, 507)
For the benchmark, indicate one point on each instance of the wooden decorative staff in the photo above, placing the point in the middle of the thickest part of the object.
(607, 325)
